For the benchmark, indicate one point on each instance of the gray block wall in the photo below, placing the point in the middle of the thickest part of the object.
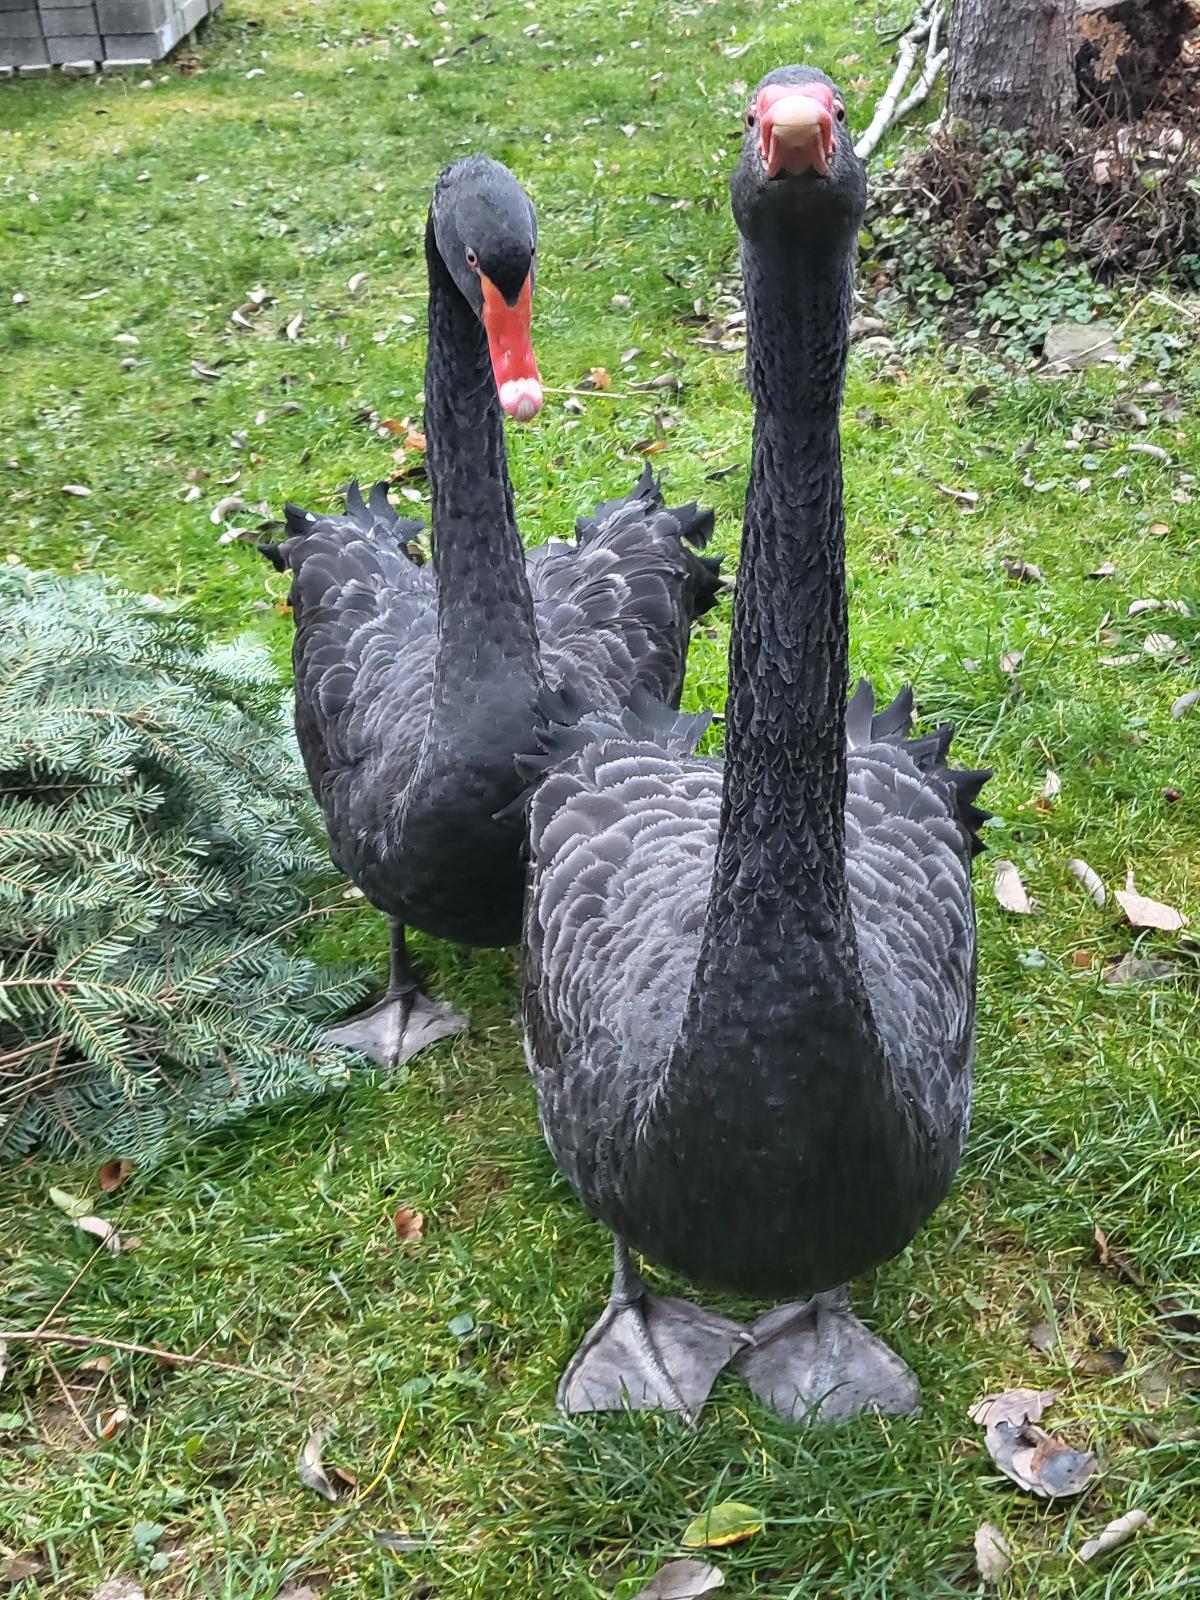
(81, 35)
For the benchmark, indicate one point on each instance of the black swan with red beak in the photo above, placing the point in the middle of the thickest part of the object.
(417, 685)
(749, 988)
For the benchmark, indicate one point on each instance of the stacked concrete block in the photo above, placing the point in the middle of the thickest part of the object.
(78, 35)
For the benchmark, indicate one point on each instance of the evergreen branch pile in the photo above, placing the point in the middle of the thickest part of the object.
(154, 830)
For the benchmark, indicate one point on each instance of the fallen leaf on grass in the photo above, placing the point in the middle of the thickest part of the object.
(1073, 344)
(1142, 912)
(1010, 891)
(1138, 969)
(71, 1204)
(409, 1224)
(1032, 1458)
(992, 1554)
(1105, 570)
(120, 1589)
(967, 498)
(1118, 1532)
(110, 1423)
(104, 1231)
(390, 1539)
(1088, 879)
(304, 1592)
(1159, 644)
(1138, 608)
(1022, 571)
(1042, 1336)
(355, 283)
(1184, 704)
(3, 1358)
(292, 329)
(1052, 787)
(682, 1580)
(727, 1523)
(17, 1568)
(312, 1474)
(79, 490)
(113, 1174)
(1011, 660)
(199, 370)
(1095, 1363)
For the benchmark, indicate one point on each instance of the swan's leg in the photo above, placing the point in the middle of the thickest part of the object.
(816, 1362)
(648, 1352)
(400, 1024)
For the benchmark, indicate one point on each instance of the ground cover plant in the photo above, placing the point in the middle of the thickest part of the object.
(397, 1267)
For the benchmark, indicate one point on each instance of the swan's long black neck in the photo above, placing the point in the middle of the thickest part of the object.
(486, 631)
(781, 858)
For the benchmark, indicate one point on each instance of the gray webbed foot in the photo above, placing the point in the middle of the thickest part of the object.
(648, 1352)
(816, 1362)
(652, 1353)
(394, 1029)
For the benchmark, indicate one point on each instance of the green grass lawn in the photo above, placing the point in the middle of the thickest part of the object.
(300, 154)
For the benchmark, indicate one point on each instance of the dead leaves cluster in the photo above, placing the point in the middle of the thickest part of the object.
(1037, 1461)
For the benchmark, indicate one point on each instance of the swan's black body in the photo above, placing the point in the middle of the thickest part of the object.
(749, 989)
(416, 685)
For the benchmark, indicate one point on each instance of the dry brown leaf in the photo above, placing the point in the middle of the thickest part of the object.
(104, 1231)
(1022, 571)
(292, 330)
(1011, 660)
(682, 1580)
(1184, 704)
(392, 425)
(355, 283)
(1159, 529)
(1106, 569)
(408, 1224)
(650, 447)
(112, 1175)
(992, 1554)
(1010, 891)
(414, 440)
(1143, 912)
(110, 1423)
(1094, 1363)
(600, 378)
(199, 370)
(79, 490)
(1117, 1533)
(1030, 1457)
(120, 1589)
(1118, 661)
(1052, 787)
(1138, 607)
(1042, 1336)
(17, 1568)
(1088, 879)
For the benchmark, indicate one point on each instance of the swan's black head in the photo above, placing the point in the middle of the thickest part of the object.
(798, 172)
(485, 229)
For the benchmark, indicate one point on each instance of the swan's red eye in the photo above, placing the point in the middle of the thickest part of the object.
(751, 119)
(472, 259)
(839, 112)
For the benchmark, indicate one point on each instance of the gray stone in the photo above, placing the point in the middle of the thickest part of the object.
(126, 64)
(78, 69)
(155, 45)
(17, 5)
(20, 25)
(35, 69)
(24, 52)
(193, 14)
(131, 16)
(70, 22)
(79, 47)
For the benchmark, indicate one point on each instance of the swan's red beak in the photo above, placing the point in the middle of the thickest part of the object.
(513, 361)
(795, 128)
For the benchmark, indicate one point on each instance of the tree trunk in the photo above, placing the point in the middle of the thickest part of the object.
(1012, 63)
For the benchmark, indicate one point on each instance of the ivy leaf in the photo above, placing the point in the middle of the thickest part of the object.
(74, 1207)
(727, 1523)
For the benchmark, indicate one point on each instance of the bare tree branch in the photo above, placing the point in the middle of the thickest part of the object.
(924, 29)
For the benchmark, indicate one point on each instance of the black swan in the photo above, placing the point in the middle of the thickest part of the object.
(749, 990)
(416, 685)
